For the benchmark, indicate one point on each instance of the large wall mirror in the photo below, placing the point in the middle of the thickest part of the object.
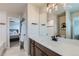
(61, 25)
(75, 26)
(68, 27)
(64, 22)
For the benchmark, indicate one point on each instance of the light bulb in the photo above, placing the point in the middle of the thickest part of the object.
(50, 10)
(47, 9)
(56, 8)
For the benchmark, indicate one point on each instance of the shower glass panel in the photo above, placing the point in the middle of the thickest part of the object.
(76, 27)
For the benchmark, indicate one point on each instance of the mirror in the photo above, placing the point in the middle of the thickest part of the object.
(64, 24)
(61, 26)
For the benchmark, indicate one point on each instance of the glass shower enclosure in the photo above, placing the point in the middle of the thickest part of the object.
(76, 27)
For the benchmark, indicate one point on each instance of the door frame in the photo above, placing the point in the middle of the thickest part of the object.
(8, 41)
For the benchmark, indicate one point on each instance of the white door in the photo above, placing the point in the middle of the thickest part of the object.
(24, 36)
(23, 31)
(3, 32)
(34, 27)
(3, 27)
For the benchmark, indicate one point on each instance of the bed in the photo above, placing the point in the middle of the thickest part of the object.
(14, 35)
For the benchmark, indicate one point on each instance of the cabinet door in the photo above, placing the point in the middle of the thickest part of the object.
(3, 33)
(39, 52)
(43, 24)
(34, 20)
(32, 48)
(2, 17)
(43, 18)
(3, 25)
(34, 29)
(3, 28)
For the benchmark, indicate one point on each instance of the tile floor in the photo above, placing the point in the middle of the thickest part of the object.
(15, 51)
(14, 43)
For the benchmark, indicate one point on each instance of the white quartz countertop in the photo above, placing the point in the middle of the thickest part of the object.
(64, 47)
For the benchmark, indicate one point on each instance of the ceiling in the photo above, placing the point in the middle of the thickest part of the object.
(12, 9)
(39, 4)
(16, 9)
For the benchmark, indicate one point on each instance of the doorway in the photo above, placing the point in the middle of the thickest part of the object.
(14, 31)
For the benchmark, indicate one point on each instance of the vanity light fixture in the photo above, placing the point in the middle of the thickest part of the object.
(56, 6)
(52, 7)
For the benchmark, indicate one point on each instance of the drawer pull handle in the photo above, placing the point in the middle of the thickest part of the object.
(2, 23)
(34, 23)
(43, 24)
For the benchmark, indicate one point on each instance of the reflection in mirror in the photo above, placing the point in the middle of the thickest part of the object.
(61, 25)
(64, 22)
(76, 27)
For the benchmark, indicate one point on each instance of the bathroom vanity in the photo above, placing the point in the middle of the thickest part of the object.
(46, 47)
(36, 49)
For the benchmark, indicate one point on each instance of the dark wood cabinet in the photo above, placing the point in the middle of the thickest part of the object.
(39, 52)
(37, 49)
(32, 47)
